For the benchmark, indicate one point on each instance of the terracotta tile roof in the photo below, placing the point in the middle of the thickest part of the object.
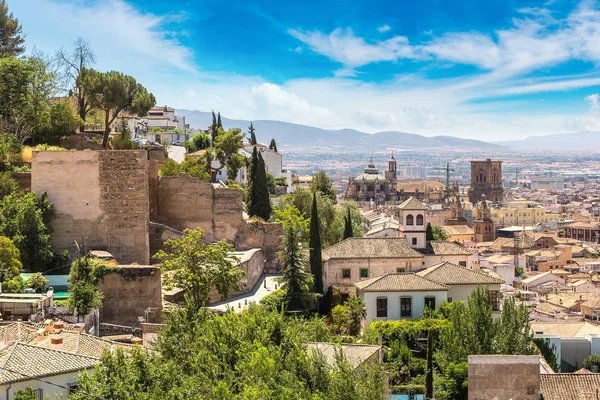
(458, 230)
(412, 204)
(592, 303)
(82, 344)
(452, 274)
(565, 329)
(31, 361)
(400, 282)
(569, 386)
(444, 248)
(371, 248)
(355, 354)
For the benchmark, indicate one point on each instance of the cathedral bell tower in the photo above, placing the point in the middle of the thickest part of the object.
(392, 177)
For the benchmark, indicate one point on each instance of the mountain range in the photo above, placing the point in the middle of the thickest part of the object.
(296, 137)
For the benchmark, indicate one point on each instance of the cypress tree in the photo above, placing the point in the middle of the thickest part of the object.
(273, 146)
(213, 128)
(219, 124)
(429, 233)
(348, 228)
(252, 137)
(316, 260)
(259, 198)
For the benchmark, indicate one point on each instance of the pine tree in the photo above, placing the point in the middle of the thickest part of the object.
(252, 137)
(348, 233)
(259, 198)
(429, 232)
(213, 128)
(11, 41)
(297, 282)
(316, 261)
(273, 146)
(219, 124)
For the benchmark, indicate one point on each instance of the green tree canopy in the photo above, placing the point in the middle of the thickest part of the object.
(8, 184)
(196, 266)
(255, 355)
(10, 264)
(251, 132)
(25, 219)
(259, 200)
(297, 282)
(84, 276)
(429, 232)
(199, 141)
(322, 183)
(225, 153)
(114, 92)
(37, 282)
(11, 39)
(438, 233)
(26, 86)
(348, 231)
(315, 247)
(59, 122)
(273, 145)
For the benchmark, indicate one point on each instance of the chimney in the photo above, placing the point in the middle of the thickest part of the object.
(58, 327)
(49, 326)
(57, 342)
(41, 334)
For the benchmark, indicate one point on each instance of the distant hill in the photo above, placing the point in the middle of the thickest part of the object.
(579, 141)
(301, 137)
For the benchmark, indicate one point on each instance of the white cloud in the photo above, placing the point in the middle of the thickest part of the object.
(383, 28)
(343, 46)
(123, 37)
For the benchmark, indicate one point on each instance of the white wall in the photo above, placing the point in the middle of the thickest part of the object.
(48, 390)
(462, 292)
(418, 303)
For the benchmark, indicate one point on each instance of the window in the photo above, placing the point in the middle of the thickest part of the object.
(39, 394)
(419, 219)
(346, 273)
(400, 270)
(410, 220)
(405, 306)
(430, 303)
(364, 273)
(462, 263)
(494, 299)
(414, 241)
(449, 299)
(382, 308)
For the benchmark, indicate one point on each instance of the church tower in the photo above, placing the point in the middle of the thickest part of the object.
(483, 225)
(458, 213)
(412, 222)
(486, 179)
(392, 177)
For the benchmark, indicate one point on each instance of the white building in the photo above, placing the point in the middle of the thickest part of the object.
(540, 279)
(48, 371)
(547, 182)
(400, 296)
(173, 128)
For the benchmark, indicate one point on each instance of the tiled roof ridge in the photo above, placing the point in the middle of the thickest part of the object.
(465, 268)
(56, 350)
(377, 279)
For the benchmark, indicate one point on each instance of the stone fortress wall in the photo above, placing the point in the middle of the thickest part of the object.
(100, 198)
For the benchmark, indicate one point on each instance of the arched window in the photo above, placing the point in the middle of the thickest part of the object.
(410, 220)
(370, 188)
(480, 175)
(419, 219)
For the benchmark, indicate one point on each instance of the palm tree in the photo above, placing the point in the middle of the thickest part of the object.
(357, 311)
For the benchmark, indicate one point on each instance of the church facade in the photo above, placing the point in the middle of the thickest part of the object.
(373, 185)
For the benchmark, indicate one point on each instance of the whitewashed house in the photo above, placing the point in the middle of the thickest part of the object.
(400, 296)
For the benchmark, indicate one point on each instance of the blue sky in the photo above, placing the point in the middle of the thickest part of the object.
(490, 70)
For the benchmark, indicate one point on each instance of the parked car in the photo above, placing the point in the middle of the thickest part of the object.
(177, 143)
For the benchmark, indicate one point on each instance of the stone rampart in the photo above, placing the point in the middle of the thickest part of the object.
(100, 197)
(130, 292)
